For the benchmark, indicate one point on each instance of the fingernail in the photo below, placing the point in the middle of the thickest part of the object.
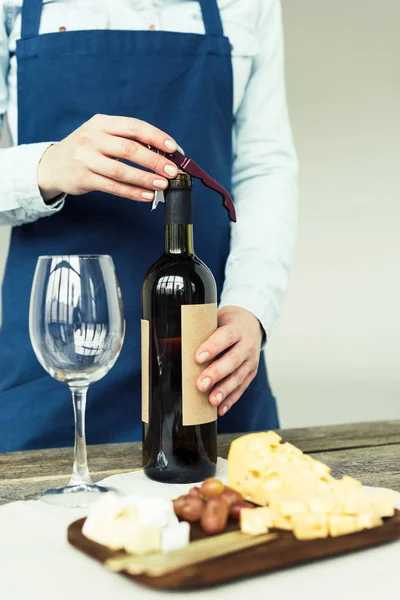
(218, 398)
(181, 150)
(170, 144)
(170, 170)
(148, 195)
(224, 410)
(205, 384)
(203, 356)
(160, 183)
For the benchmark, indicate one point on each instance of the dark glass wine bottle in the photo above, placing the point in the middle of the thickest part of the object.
(173, 451)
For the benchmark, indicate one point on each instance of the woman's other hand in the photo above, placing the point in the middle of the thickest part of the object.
(238, 337)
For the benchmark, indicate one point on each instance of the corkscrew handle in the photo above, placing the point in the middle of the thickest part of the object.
(190, 166)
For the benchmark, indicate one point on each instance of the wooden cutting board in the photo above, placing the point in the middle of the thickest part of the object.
(284, 551)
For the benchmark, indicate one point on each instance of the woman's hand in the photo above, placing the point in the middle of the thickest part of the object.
(239, 334)
(85, 160)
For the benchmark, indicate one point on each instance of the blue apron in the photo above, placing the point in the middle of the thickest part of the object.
(170, 80)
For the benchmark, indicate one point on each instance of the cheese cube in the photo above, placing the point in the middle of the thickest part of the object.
(175, 537)
(255, 521)
(288, 508)
(368, 521)
(310, 527)
(139, 538)
(280, 522)
(287, 504)
(323, 503)
(353, 505)
(342, 525)
(383, 503)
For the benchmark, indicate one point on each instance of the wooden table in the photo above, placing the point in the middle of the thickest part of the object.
(368, 451)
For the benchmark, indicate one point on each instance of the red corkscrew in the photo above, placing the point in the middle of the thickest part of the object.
(190, 166)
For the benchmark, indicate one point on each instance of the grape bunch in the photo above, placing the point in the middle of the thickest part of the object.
(211, 504)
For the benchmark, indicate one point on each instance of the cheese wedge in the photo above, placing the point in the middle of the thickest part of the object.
(248, 459)
(300, 491)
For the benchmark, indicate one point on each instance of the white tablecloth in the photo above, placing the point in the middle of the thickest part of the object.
(37, 563)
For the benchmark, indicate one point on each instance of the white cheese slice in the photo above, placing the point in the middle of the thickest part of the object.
(139, 538)
(108, 532)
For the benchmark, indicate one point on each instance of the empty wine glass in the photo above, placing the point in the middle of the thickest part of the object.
(77, 328)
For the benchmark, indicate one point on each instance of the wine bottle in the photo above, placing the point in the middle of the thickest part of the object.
(179, 313)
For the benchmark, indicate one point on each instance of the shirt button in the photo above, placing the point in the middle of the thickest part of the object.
(152, 27)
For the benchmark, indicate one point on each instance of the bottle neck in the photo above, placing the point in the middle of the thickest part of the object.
(178, 221)
(179, 239)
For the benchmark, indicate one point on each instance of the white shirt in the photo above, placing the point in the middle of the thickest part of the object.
(264, 165)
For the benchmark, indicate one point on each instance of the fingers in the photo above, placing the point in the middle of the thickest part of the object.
(221, 368)
(236, 394)
(132, 151)
(124, 190)
(223, 338)
(127, 127)
(119, 171)
(228, 385)
(238, 339)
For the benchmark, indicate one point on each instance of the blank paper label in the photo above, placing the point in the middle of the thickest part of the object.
(145, 371)
(199, 321)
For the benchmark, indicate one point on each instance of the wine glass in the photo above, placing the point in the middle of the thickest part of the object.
(77, 328)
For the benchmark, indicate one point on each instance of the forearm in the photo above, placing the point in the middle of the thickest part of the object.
(264, 184)
(20, 198)
(262, 242)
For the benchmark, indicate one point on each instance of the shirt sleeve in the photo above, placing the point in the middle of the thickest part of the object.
(20, 198)
(264, 183)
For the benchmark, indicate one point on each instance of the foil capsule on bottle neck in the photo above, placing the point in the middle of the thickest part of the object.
(182, 180)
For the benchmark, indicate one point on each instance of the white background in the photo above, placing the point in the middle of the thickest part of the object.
(333, 356)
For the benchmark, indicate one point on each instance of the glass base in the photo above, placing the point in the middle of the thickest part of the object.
(75, 496)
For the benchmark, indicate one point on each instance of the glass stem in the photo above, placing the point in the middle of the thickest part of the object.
(80, 474)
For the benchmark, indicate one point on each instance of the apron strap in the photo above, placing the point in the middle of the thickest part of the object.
(30, 18)
(32, 10)
(211, 17)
